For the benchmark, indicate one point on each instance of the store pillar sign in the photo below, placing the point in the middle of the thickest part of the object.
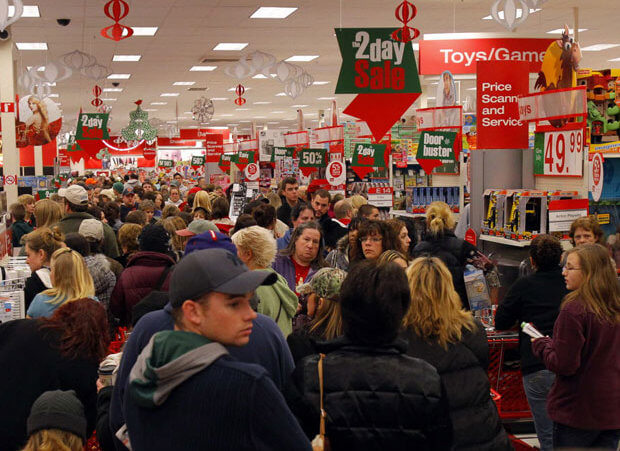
(10, 180)
(92, 126)
(251, 172)
(214, 145)
(435, 148)
(559, 153)
(311, 159)
(596, 176)
(197, 161)
(500, 83)
(280, 153)
(7, 107)
(166, 164)
(336, 173)
(381, 71)
(367, 157)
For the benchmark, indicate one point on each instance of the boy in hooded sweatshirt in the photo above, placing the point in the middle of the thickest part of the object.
(185, 391)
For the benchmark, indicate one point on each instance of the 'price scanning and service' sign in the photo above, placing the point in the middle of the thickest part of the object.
(559, 153)
(92, 126)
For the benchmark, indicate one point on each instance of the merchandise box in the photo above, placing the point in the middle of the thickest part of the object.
(528, 214)
(489, 203)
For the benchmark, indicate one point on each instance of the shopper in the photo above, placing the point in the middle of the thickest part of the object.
(129, 204)
(76, 204)
(57, 353)
(202, 199)
(445, 335)
(369, 212)
(402, 234)
(70, 281)
(323, 310)
(585, 230)
(47, 213)
(374, 238)
(111, 212)
(441, 242)
(300, 214)
(175, 197)
(148, 207)
(338, 226)
(256, 247)
(265, 216)
(19, 227)
(393, 256)
(290, 196)
(584, 402)
(346, 247)
(27, 200)
(375, 396)
(219, 214)
(128, 241)
(303, 256)
(245, 409)
(40, 245)
(536, 299)
(174, 224)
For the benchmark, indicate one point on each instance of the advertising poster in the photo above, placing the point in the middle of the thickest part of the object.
(39, 121)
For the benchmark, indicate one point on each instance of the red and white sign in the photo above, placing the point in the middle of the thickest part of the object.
(214, 143)
(336, 173)
(10, 180)
(7, 107)
(174, 142)
(460, 56)
(563, 152)
(203, 133)
(381, 196)
(329, 134)
(563, 212)
(555, 104)
(296, 139)
(596, 176)
(249, 145)
(500, 83)
(251, 172)
(470, 236)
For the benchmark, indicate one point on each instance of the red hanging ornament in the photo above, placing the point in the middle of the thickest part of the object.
(239, 90)
(96, 102)
(405, 12)
(116, 10)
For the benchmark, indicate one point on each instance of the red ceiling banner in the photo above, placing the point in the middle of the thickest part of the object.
(202, 133)
(214, 144)
(460, 56)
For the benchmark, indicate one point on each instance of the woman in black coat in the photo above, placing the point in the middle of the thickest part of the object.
(442, 333)
(376, 397)
(57, 353)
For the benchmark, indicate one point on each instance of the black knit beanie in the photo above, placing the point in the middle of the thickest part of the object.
(154, 238)
(58, 410)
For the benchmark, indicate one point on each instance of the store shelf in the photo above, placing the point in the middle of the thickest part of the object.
(508, 242)
(416, 215)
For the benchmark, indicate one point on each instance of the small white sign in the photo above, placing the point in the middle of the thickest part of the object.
(596, 176)
(336, 173)
(251, 172)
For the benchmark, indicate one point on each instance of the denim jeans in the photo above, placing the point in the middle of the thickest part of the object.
(570, 437)
(537, 386)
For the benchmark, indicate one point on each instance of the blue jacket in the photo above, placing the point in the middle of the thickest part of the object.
(267, 347)
(283, 242)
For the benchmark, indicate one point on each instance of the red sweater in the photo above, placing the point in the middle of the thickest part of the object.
(584, 353)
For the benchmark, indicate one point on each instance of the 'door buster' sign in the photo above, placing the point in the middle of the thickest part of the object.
(382, 71)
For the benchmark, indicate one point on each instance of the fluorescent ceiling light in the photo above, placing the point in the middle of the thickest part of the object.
(615, 59)
(29, 11)
(260, 76)
(119, 76)
(472, 89)
(232, 125)
(320, 82)
(142, 31)
(126, 58)
(215, 99)
(202, 68)
(519, 13)
(273, 123)
(53, 95)
(184, 83)
(171, 122)
(326, 98)
(448, 36)
(149, 109)
(112, 89)
(277, 112)
(242, 109)
(230, 46)
(159, 103)
(244, 121)
(431, 98)
(31, 45)
(169, 94)
(262, 103)
(561, 30)
(108, 99)
(280, 94)
(271, 12)
(298, 106)
(260, 117)
(234, 88)
(598, 47)
(305, 58)
(225, 115)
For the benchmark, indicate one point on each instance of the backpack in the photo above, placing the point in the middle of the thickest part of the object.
(155, 300)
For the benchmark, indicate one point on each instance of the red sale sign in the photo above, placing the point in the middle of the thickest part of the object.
(460, 56)
(214, 144)
(500, 83)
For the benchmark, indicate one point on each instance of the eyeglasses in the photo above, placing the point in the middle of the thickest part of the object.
(372, 239)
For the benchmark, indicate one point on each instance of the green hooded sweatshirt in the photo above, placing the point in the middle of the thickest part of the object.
(279, 303)
(169, 359)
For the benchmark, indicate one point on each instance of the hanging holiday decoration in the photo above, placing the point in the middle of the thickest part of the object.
(52, 72)
(96, 102)
(103, 154)
(77, 60)
(139, 127)
(116, 10)
(105, 109)
(41, 89)
(96, 71)
(239, 90)
(5, 21)
(533, 4)
(509, 17)
(405, 12)
(203, 110)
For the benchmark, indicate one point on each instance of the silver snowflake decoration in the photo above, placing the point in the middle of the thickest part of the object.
(203, 110)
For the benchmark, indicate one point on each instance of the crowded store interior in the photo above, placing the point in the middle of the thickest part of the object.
(330, 225)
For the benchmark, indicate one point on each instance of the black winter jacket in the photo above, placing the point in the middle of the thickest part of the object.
(454, 252)
(475, 422)
(375, 398)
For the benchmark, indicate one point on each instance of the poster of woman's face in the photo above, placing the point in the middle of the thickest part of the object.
(39, 121)
(446, 90)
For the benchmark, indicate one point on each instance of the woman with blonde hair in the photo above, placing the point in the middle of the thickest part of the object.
(393, 256)
(40, 245)
(584, 401)
(172, 224)
(357, 200)
(202, 199)
(441, 242)
(441, 332)
(47, 213)
(256, 247)
(70, 281)
(37, 125)
(27, 200)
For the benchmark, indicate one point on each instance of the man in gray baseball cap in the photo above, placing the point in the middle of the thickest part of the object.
(185, 389)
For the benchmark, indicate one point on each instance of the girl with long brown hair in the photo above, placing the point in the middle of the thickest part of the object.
(584, 402)
(40, 245)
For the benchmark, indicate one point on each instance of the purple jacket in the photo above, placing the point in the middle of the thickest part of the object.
(284, 266)
(583, 354)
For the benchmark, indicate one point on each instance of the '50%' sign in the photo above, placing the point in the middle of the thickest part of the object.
(559, 153)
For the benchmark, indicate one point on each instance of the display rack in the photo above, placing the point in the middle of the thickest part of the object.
(566, 245)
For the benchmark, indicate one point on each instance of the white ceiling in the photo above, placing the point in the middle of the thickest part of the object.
(189, 29)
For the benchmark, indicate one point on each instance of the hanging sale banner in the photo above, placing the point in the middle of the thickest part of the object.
(165, 163)
(500, 83)
(225, 162)
(214, 145)
(367, 157)
(436, 148)
(311, 159)
(197, 161)
(279, 153)
(245, 157)
(92, 126)
(381, 71)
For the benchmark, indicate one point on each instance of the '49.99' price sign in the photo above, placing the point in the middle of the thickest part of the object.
(559, 153)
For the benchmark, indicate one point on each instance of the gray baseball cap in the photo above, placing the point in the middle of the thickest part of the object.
(209, 270)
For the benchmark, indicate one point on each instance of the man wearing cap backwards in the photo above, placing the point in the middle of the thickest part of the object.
(185, 391)
(76, 204)
(128, 204)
